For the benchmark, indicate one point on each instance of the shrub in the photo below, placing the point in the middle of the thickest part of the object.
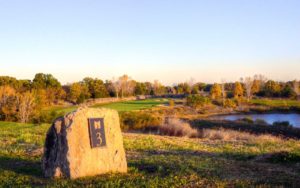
(139, 121)
(260, 121)
(171, 103)
(47, 116)
(247, 119)
(229, 103)
(197, 101)
(176, 127)
(282, 123)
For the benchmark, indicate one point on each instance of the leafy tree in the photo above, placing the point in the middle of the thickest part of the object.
(43, 81)
(140, 88)
(158, 88)
(196, 101)
(96, 87)
(216, 91)
(288, 92)
(7, 103)
(271, 89)
(8, 81)
(78, 92)
(195, 89)
(184, 88)
(238, 91)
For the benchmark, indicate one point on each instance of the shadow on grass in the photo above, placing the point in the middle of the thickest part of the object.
(269, 169)
(266, 169)
(21, 166)
(286, 132)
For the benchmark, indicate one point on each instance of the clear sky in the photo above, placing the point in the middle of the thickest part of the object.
(168, 40)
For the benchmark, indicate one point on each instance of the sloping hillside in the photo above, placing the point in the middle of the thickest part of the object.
(224, 158)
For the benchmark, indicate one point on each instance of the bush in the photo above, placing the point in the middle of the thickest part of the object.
(139, 121)
(171, 103)
(176, 127)
(196, 101)
(229, 103)
(261, 122)
(47, 116)
(247, 119)
(282, 124)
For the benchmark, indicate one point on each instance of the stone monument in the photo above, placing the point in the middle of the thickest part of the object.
(85, 142)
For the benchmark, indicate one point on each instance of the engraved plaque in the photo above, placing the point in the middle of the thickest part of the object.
(97, 133)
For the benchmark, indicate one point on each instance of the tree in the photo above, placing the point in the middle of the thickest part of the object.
(238, 91)
(215, 91)
(7, 103)
(288, 91)
(195, 89)
(296, 88)
(223, 91)
(140, 88)
(43, 81)
(96, 87)
(259, 81)
(196, 101)
(271, 89)
(26, 106)
(126, 85)
(184, 88)
(248, 83)
(78, 92)
(158, 88)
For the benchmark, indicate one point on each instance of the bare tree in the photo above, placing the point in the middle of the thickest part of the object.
(25, 105)
(248, 82)
(126, 85)
(157, 87)
(223, 82)
(191, 82)
(116, 86)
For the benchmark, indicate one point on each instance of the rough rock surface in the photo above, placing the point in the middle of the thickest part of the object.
(68, 151)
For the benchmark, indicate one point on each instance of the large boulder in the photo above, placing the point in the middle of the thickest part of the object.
(86, 142)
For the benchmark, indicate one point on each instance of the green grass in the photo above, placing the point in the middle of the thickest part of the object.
(157, 161)
(132, 105)
(276, 102)
(119, 106)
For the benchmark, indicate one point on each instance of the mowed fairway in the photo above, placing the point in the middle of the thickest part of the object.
(157, 161)
(119, 106)
(132, 105)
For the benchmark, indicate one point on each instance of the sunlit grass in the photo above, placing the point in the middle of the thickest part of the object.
(158, 161)
(276, 102)
(132, 105)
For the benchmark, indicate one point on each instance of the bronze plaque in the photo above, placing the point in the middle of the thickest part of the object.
(97, 133)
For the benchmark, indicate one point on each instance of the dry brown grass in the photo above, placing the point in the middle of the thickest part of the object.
(231, 135)
(177, 127)
(180, 128)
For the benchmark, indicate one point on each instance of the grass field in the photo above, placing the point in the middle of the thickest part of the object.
(158, 161)
(276, 102)
(119, 106)
(133, 105)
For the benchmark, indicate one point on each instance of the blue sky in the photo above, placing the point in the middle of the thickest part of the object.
(168, 40)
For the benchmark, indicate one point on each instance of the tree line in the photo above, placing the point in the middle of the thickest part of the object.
(23, 100)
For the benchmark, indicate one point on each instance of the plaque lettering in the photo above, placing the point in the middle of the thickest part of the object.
(97, 133)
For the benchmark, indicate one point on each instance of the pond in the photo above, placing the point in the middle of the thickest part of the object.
(293, 118)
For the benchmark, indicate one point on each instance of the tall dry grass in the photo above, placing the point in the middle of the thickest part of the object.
(177, 127)
(180, 128)
(232, 135)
